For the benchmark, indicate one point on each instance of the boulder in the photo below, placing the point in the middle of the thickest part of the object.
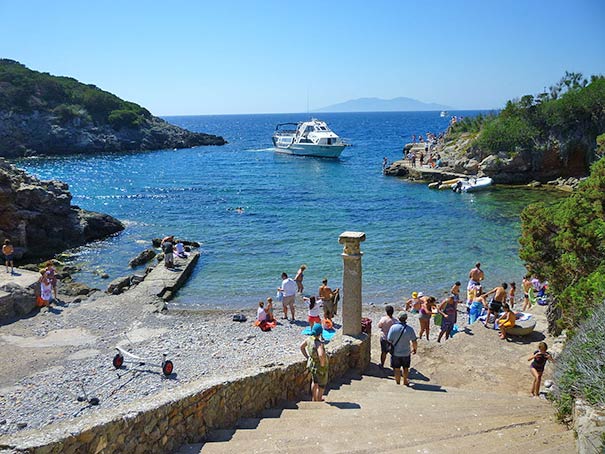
(491, 164)
(38, 216)
(118, 285)
(144, 257)
(472, 166)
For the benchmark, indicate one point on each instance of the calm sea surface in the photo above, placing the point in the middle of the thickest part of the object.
(294, 210)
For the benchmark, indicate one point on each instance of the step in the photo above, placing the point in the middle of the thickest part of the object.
(342, 430)
(375, 439)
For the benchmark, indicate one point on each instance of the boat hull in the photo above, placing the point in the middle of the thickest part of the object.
(317, 151)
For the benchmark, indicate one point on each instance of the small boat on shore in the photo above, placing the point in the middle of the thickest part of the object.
(308, 138)
(473, 184)
(447, 184)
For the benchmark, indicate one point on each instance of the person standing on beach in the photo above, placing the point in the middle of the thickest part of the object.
(328, 296)
(495, 305)
(168, 250)
(448, 310)
(52, 276)
(526, 285)
(538, 362)
(317, 362)
(384, 325)
(288, 289)
(475, 276)
(7, 252)
(511, 294)
(299, 278)
(401, 335)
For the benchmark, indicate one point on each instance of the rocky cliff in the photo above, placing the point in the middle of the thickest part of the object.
(41, 114)
(37, 216)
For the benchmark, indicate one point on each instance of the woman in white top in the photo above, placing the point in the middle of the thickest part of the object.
(261, 315)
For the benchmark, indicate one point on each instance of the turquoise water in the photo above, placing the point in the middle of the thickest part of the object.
(294, 210)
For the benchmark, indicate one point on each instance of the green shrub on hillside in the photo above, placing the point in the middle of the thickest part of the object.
(569, 109)
(565, 244)
(24, 91)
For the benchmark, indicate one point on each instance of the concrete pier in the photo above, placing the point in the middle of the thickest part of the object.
(351, 282)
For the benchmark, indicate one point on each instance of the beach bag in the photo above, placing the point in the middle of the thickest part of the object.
(279, 297)
(438, 319)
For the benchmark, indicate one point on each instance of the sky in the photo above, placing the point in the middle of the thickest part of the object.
(228, 57)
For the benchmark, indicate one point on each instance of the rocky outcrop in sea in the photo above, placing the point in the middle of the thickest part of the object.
(39, 219)
(43, 133)
(42, 114)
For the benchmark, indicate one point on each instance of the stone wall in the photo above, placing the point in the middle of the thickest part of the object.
(589, 424)
(186, 414)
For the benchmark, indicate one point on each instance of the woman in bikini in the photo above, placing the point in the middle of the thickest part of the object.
(426, 310)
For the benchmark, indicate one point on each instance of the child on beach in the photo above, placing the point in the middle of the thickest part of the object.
(7, 251)
(269, 309)
(507, 320)
(261, 315)
(538, 362)
(313, 311)
(511, 294)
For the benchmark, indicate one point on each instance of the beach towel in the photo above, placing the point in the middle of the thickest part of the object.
(522, 316)
(267, 325)
(327, 334)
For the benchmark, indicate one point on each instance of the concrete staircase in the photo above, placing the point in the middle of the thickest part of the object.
(369, 413)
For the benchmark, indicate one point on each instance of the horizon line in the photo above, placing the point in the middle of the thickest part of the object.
(318, 112)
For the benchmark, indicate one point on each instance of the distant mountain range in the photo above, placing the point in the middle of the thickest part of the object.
(382, 105)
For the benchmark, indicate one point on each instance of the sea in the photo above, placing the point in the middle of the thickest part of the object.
(293, 211)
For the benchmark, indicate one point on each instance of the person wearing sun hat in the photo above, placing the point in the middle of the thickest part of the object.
(317, 362)
(414, 302)
(401, 335)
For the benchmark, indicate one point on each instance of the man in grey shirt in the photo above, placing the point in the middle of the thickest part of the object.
(400, 336)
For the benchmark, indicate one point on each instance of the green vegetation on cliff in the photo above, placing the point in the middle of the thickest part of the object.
(25, 91)
(571, 113)
(565, 244)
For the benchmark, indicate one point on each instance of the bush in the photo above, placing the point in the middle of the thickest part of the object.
(124, 119)
(580, 368)
(565, 244)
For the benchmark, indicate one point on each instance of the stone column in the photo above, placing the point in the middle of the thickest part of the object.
(351, 282)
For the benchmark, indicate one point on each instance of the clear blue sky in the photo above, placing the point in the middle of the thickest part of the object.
(214, 57)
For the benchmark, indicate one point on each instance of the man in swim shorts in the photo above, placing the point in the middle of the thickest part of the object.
(495, 306)
(475, 276)
(288, 288)
(327, 295)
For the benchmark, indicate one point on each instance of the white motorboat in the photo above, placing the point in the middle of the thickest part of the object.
(443, 113)
(472, 184)
(309, 138)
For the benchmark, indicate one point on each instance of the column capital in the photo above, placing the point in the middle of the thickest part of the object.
(351, 242)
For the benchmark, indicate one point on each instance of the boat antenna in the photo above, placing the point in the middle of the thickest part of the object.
(308, 112)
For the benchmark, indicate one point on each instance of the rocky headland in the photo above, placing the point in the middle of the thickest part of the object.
(551, 138)
(39, 219)
(41, 114)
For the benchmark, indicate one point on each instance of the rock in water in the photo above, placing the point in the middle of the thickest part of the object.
(143, 257)
(39, 219)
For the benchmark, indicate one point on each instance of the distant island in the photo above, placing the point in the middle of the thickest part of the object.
(42, 114)
(400, 104)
